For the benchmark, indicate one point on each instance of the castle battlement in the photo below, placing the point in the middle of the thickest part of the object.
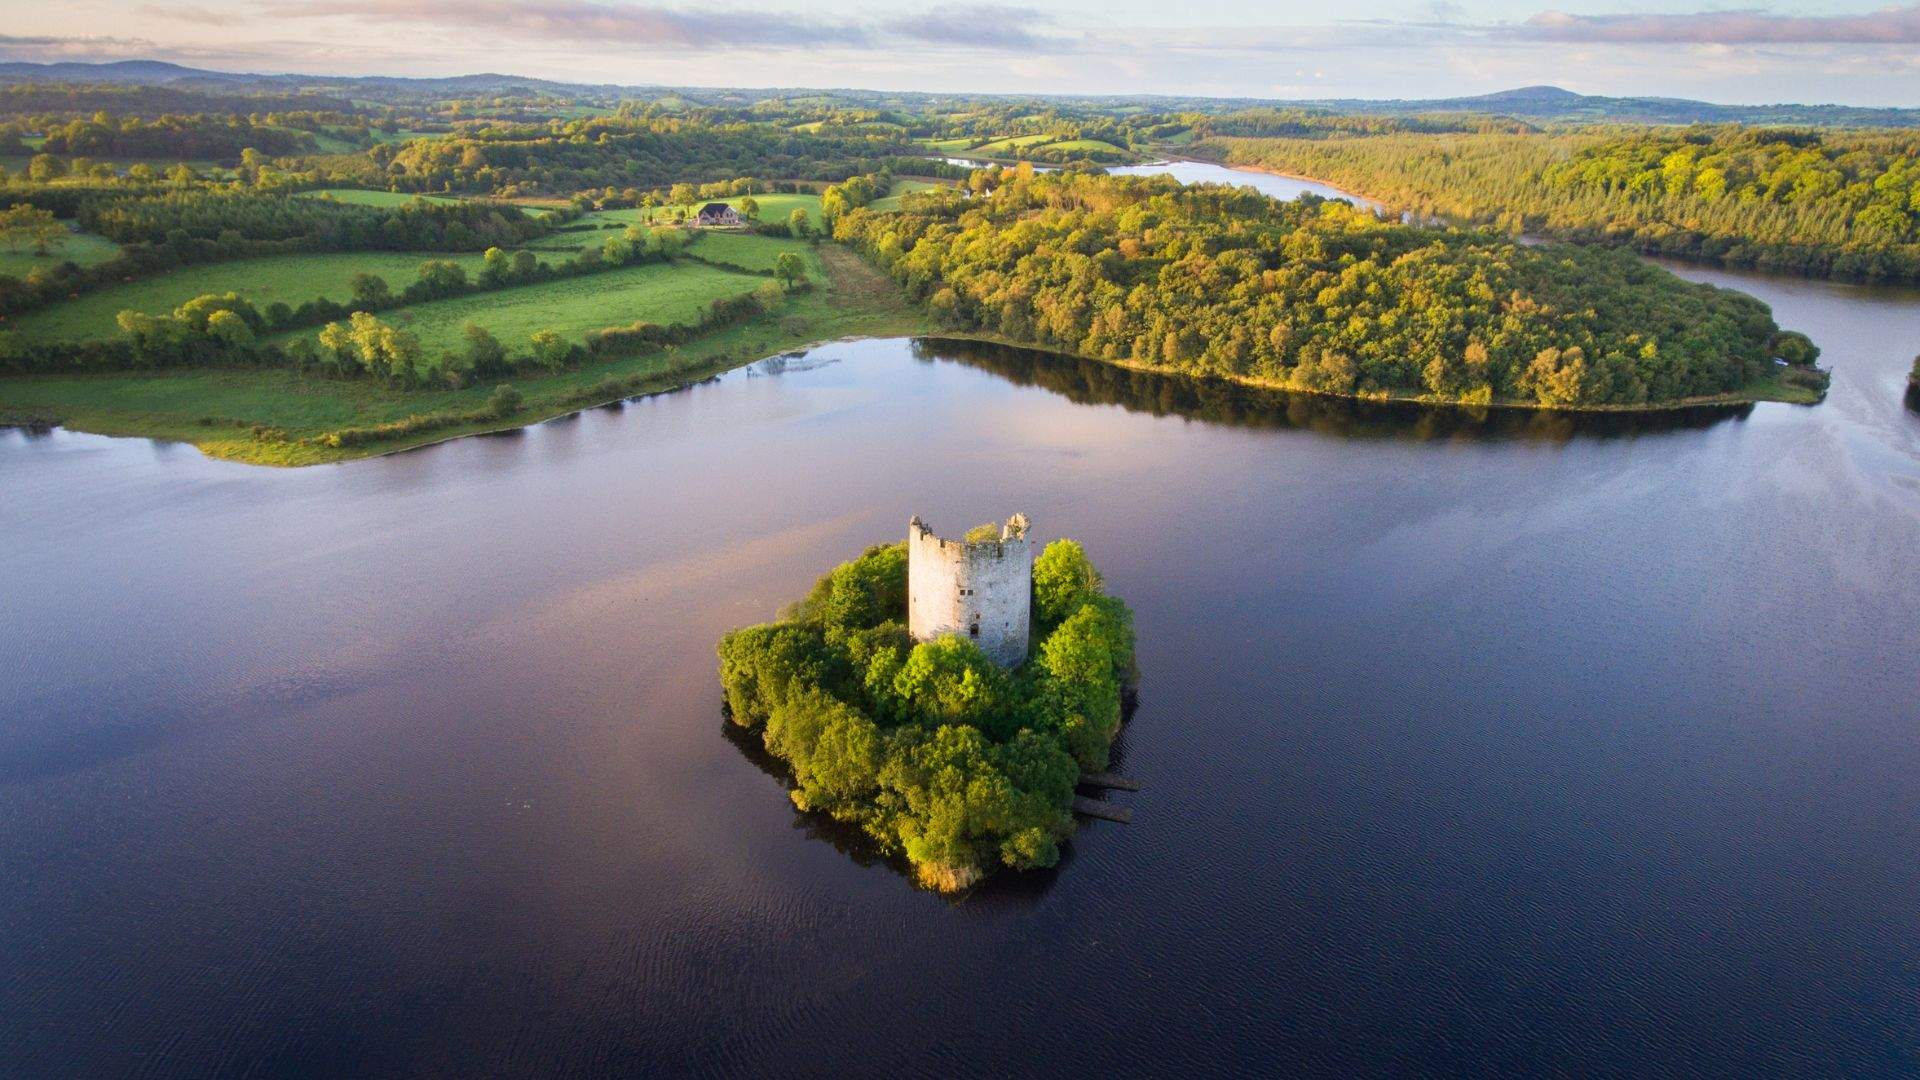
(978, 589)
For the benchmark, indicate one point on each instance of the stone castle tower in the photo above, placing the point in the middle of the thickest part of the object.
(981, 589)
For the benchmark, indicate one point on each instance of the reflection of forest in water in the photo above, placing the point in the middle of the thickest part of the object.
(1091, 382)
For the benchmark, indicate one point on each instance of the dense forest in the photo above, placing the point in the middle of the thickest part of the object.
(1315, 295)
(1840, 204)
(626, 152)
(936, 753)
(66, 101)
(208, 137)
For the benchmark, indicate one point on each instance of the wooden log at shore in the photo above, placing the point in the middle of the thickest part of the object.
(1109, 780)
(1104, 810)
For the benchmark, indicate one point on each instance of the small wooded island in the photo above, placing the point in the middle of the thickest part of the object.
(955, 738)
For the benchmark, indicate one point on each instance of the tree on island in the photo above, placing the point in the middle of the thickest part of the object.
(930, 748)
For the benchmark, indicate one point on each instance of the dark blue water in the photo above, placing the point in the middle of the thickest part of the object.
(1470, 745)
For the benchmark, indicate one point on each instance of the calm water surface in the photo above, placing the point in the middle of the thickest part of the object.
(1280, 187)
(1468, 745)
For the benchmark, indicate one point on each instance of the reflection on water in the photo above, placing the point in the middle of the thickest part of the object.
(790, 363)
(1216, 401)
(1280, 187)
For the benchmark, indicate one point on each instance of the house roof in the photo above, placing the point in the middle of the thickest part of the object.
(715, 208)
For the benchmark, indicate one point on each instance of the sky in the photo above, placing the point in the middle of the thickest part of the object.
(1822, 51)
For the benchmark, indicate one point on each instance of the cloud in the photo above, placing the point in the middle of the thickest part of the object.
(593, 21)
(190, 14)
(588, 21)
(1888, 26)
(88, 47)
(986, 26)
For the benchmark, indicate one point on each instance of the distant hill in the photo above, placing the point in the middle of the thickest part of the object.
(1544, 103)
(1554, 103)
(140, 72)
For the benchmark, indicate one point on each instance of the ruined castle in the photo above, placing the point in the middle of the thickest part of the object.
(978, 589)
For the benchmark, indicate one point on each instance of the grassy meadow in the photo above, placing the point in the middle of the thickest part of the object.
(773, 207)
(901, 187)
(369, 197)
(654, 292)
(83, 248)
(756, 253)
(218, 410)
(292, 279)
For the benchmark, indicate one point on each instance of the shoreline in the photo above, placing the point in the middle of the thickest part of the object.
(1729, 400)
(1282, 173)
(697, 375)
(709, 371)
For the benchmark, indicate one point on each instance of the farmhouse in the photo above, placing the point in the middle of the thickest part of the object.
(717, 213)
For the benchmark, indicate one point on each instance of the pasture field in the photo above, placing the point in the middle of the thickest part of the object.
(753, 252)
(83, 248)
(899, 188)
(1087, 146)
(216, 409)
(369, 197)
(814, 127)
(1012, 143)
(653, 292)
(604, 226)
(333, 141)
(292, 279)
(773, 207)
(402, 135)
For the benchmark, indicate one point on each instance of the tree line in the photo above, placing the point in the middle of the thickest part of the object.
(1842, 204)
(161, 230)
(206, 137)
(1314, 295)
(624, 152)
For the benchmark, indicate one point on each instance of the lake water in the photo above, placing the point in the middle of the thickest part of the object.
(1469, 744)
(1280, 187)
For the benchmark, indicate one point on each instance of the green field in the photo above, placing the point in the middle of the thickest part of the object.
(899, 188)
(366, 197)
(773, 207)
(403, 135)
(1012, 143)
(753, 252)
(292, 279)
(656, 292)
(1087, 146)
(83, 248)
(369, 197)
(215, 410)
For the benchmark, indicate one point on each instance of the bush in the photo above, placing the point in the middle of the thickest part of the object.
(503, 402)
